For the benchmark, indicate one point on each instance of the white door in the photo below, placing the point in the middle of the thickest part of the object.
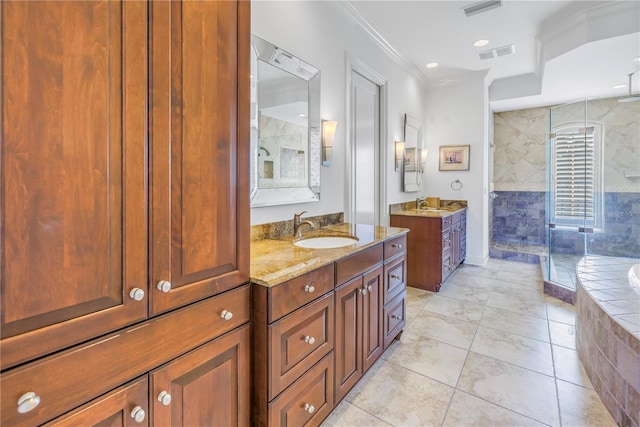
(365, 154)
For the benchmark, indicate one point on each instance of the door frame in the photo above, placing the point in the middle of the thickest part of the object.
(357, 65)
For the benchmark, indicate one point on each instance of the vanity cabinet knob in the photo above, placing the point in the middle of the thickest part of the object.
(164, 398)
(309, 408)
(309, 288)
(396, 317)
(309, 340)
(226, 315)
(28, 402)
(164, 286)
(396, 245)
(369, 288)
(393, 276)
(363, 291)
(137, 294)
(138, 414)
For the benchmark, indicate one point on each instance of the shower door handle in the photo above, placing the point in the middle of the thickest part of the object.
(585, 230)
(552, 225)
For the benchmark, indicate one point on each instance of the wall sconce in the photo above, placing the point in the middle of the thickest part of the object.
(328, 132)
(399, 154)
(423, 159)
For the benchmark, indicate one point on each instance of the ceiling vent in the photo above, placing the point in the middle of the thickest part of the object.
(481, 7)
(499, 51)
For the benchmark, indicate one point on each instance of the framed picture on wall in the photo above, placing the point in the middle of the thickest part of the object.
(410, 159)
(454, 158)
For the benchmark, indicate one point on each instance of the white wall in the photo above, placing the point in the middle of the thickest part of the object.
(458, 114)
(321, 34)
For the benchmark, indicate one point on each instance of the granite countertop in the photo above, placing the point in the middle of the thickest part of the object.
(440, 212)
(274, 261)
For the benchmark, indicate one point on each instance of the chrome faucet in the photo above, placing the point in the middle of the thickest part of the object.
(297, 224)
(421, 202)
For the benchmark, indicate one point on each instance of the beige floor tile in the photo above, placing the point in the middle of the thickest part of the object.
(580, 406)
(427, 356)
(568, 366)
(516, 323)
(563, 334)
(522, 351)
(412, 312)
(446, 329)
(461, 310)
(467, 410)
(518, 389)
(516, 304)
(418, 297)
(560, 311)
(348, 415)
(465, 293)
(520, 277)
(471, 281)
(401, 397)
(519, 290)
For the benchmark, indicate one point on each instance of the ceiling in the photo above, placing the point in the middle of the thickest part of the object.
(564, 50)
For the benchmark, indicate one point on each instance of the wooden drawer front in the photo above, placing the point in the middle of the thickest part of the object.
(395, 246)
(394, 318)
(446, 265)
(68, 379)
(298, 341)
(295, 293)
(112, 409)
(315, 388)
(394, 278)
(446, 240)
(447, 221)
(357, 264)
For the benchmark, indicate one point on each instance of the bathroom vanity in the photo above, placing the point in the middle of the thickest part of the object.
(321, 318)
(436, 245)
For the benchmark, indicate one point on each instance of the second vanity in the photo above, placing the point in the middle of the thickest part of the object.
(321, 318)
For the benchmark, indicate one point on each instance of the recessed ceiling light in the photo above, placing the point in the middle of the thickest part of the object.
(619, 86)
(480, 43)
(432, 65)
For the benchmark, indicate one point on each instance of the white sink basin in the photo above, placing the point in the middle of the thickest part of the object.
(325, 242)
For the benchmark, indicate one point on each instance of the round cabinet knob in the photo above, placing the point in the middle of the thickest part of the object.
(226, 315)
(138, 414)
(309, 288)
(309, 340)
(395, 316)
(164, 286)
(309, 408)
(164, 398)
(28, 402)
(137, 294)
(395, 245)
(363, 291)
(369, 288)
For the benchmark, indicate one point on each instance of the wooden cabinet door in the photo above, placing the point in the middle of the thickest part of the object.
(73, 202)
(127, 406)
(372, 328)
(208, 386)
(199, 145)
(348, 346)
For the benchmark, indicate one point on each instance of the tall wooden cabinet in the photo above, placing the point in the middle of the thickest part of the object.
(124, 211)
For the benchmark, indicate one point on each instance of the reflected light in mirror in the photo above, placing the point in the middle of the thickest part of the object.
(328, 132)
(423, 159)
(399, 154)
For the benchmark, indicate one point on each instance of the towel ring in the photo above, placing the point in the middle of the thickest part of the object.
(456, 185)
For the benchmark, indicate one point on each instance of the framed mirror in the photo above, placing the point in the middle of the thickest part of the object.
(412, 163)
(285, 127)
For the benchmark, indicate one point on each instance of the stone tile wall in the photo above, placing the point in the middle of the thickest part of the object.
(519, 217)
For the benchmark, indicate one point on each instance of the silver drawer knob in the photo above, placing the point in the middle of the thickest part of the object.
(137, 294)
(164, 286)
(369, 288)
(363, 291)
(395, 245)
(309, 340)
(138, 414)
(164, 398)
(309, 408)
(226, 315)
(309, 288)
(395, 316)
(28, 402)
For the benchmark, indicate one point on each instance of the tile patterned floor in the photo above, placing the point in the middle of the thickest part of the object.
(488, 350)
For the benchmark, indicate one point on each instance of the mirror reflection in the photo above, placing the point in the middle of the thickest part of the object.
(411, 165)
(285, 127)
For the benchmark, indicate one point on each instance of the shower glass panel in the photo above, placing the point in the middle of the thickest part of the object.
(570, 196)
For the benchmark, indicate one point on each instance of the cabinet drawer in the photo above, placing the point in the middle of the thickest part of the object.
(357, 264)
(446, 240)
(295, 293)
(447, 221)
(70, 378)
(308, 401)
(394, 278)
(395, 246)
(298, 341)
(394, 318)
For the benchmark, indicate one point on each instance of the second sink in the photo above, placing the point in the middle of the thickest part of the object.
(326, 242)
